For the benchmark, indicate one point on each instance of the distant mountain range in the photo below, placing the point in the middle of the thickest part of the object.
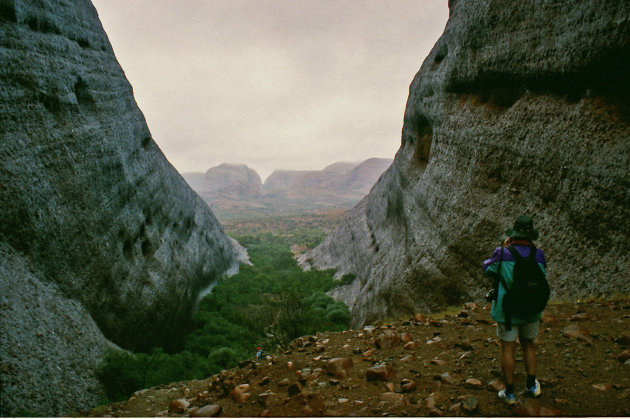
(230, 187)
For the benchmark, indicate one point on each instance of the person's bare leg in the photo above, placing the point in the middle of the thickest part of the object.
(507, 362)
(529, 355)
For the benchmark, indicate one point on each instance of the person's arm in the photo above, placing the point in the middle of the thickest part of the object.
(491, 265)
(492, 269)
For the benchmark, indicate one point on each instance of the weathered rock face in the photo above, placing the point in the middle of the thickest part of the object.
(520, 108)
(49, 344)
(101, 240)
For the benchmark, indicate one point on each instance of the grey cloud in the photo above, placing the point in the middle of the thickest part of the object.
(275, 84)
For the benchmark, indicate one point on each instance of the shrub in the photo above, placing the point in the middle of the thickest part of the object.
(120, 375)
(346, 279)
(223, 358)
(338, 316)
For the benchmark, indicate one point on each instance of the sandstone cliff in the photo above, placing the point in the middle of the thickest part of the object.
(521, 107)
(102, 243)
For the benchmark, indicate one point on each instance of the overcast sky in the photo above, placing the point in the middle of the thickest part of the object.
(274, 84)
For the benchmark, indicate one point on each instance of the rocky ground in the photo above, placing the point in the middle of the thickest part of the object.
(442, 366)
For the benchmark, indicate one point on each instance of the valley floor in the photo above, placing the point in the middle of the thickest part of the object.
(452, 368)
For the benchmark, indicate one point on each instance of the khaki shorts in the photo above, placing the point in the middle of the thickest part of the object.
(524, 331)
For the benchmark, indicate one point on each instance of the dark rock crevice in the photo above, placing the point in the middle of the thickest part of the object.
(83, 95)
(7, 11)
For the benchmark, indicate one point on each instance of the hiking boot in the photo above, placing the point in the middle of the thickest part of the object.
(507, 398)
(535, 390)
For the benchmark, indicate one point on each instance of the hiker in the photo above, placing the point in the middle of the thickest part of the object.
(259, 353)
(518, 312)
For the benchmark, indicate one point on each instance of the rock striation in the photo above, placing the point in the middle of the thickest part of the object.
(102, 242)
(520, 108)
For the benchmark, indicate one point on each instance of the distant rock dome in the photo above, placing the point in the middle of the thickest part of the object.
(225, 174)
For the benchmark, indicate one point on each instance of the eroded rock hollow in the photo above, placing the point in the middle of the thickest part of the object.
(520, 108)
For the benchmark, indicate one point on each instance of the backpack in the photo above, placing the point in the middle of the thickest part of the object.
(530, 290)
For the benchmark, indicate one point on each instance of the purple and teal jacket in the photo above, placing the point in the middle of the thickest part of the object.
(490, 267)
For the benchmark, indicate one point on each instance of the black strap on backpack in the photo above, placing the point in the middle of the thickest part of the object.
(506, 309)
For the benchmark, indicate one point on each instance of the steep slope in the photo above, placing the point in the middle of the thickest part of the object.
(195, 180)
(448, 365)
(362, 177)
(521, 107)
(101, 240)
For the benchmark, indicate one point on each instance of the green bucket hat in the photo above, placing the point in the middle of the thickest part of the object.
(523, 228)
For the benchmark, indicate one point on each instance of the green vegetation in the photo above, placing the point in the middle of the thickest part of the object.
(277, 211)
(268, 304)
(122, 373)
(305, 229)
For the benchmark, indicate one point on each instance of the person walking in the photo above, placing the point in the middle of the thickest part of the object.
(518, 247)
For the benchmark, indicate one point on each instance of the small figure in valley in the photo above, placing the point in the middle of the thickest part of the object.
(259, 353)
(519, 295)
